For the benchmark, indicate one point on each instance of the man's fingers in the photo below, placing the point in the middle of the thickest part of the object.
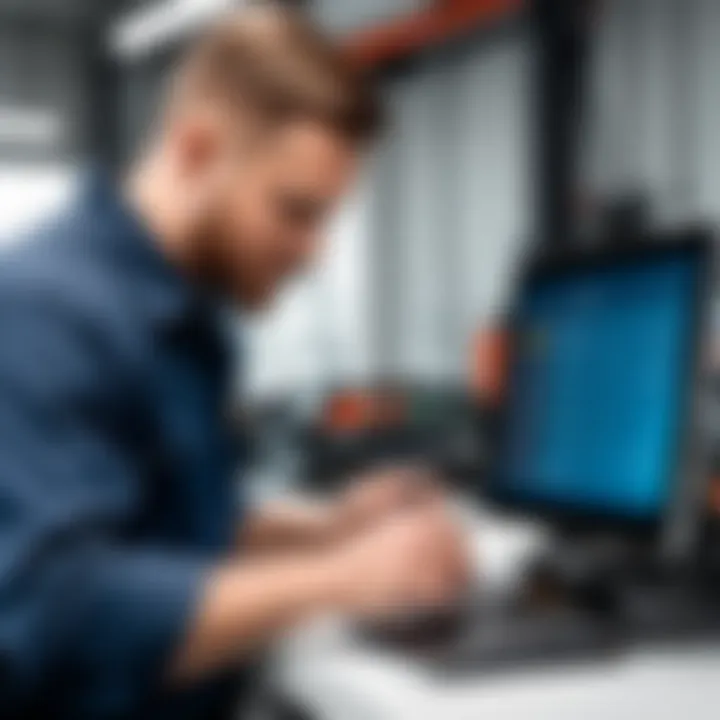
(388, 492)
(409, 484)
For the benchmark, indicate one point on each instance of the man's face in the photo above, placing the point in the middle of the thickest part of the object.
(268, 207)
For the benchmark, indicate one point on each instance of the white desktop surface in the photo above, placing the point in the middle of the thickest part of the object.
(322, 669)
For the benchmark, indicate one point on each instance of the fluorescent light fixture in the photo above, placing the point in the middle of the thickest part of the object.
(141, 31)
(30, 126)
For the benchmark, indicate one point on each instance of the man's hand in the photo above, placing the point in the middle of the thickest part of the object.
(415, 559)
(374, 497)
(368, 500)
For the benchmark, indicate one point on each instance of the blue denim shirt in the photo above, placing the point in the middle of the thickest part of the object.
(116, 468)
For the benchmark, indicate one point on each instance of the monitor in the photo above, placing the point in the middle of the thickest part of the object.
(604, 372)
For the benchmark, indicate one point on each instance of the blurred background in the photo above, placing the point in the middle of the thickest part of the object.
(515, 126)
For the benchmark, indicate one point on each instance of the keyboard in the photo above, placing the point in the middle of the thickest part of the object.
(483, 639)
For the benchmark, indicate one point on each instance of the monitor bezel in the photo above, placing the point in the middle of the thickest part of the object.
(674, 529)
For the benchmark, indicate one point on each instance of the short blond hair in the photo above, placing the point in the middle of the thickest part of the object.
(274, 62)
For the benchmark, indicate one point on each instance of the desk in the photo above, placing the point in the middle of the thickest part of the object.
(345, 685)
(322, 669)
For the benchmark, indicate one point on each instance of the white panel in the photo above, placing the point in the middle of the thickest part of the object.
(420, 329)
(460, 170)
(31, 126)
(282, 349)
(29, 194)
(495, 171)
(344, 292)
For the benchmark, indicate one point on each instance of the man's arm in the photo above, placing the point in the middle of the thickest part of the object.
(79, 609)
(415, 558)
(289, 525)
(244, 606)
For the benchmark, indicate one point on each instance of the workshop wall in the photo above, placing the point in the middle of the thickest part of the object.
(455, 203)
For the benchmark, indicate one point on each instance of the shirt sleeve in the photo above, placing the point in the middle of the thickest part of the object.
(85, 618)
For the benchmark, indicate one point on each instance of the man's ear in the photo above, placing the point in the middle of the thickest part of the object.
(198, 139)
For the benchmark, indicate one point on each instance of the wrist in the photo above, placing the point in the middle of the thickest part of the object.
(337, 580)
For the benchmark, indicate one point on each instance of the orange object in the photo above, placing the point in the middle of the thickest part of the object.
(361, 410)
(714, 497)
(443, 21)
(348, 412)
(489, 365)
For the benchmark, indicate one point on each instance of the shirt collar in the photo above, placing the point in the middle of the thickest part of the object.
(165, 294)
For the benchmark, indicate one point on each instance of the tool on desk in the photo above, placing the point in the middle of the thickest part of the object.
(392, 423)
(602, 439)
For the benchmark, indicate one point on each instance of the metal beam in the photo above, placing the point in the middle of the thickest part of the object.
(562, 32)
(441, 22)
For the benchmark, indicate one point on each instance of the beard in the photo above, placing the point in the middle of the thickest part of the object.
(221, 267)
(205, 240)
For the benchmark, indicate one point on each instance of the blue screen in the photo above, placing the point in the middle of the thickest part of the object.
(598, 389)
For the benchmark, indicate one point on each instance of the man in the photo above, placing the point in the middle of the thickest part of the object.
(124, 592)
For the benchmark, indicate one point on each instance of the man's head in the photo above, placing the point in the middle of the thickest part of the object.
(265, 123)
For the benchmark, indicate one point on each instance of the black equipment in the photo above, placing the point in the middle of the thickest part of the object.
(603, 439)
